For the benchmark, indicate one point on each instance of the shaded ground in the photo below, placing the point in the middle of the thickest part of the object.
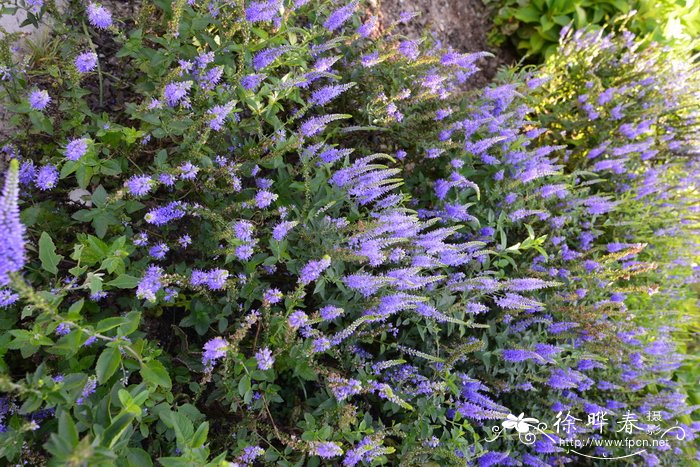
(460, 24)
(117, 83)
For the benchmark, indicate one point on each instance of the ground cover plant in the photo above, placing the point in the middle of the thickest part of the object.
(534, 26)
(267, 233)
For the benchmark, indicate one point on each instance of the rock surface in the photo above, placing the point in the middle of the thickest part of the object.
(11, 23)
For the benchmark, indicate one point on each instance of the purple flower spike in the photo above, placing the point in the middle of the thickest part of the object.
(214, 350)
(47, 177)
(99, 16)
(86, 62)
(139, 185)
(39, 99)
(264, 359)
(12, 257)
(340, 16)
(76, 148)
(150, 284)
(327, 450)
(313, 270)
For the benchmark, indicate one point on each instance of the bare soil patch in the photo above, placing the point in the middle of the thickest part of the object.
(460, 24)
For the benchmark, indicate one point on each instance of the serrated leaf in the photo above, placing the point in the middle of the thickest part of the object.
(47, 254)
(99, 197)
(154, 372)
(95, 283)
(244, 385)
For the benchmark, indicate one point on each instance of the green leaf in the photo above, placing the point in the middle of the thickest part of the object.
(109, 323)
(305, 371)
(83, 175)
(580, 17)
(154, 372)
(67, 430)
(111, 168)
(68, 168)
(244, 385)
(536, 43)
(41, 122)
(623, 6)
(95, 283)
(137, 457)
(181, 424)
(173, 462)
(124, 281)
(131, 323)
(84, 215)
(74, 310)
(107, 364)
(101, 222)
(47, 254)
(99, 197)
(200, 436)
(528, 14)
(132, 206)
(546, 23)
(563, 20)
(124, 397)
(114, 431)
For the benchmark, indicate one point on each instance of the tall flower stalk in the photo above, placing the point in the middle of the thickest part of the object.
(12, 256)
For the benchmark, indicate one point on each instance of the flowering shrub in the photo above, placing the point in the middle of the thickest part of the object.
(298, 241)
(625, 224)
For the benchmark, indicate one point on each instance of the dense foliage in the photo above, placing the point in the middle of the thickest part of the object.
(293, 240)
(534, 26)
